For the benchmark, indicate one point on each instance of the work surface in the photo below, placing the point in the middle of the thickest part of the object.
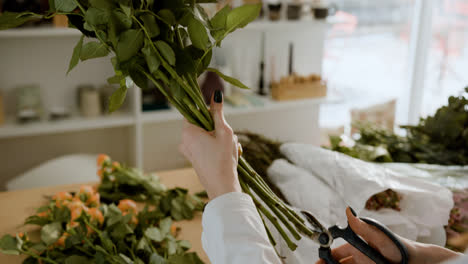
(18, 205)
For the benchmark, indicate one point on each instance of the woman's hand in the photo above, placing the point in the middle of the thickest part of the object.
(418, 253)
(213, 155)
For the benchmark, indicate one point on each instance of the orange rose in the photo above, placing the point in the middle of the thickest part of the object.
(127, 206)
(62, 196)
(61, 241)
(96, 215)
(115, 165)
(94, 200)
(174, 230)
(102, 159)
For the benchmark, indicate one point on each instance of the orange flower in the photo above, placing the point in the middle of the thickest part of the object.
(134, 220)
(61, 241)
(87, 189)
(174, 230)
(100, 173)
(96, 215)
(75, 204)
(43, 214)
(127, 206)
(94, 200)
(102, 159)
(62, 196)
(73, 224)
(116, 165)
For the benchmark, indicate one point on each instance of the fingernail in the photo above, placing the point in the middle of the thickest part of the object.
(218, 96)
(352, 211)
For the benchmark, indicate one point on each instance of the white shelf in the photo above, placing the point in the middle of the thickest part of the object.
(39, 32)
(285, 25)
(11, 129)
(158, 116)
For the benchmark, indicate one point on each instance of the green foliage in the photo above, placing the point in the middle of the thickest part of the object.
(123, 236)
(65, 5)
(9, 245)
(50, 233)
(229, 79)
(93, 50)
(438, 139)
(76, 55)
(12, 20)
(118, 97)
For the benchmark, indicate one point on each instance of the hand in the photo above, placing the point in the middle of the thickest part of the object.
(418, 253)
(213, 155)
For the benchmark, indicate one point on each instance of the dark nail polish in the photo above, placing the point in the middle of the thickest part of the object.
(352, 210)
(218, 96)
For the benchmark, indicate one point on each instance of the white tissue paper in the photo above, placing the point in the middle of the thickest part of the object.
(295, 184)
(322, 178)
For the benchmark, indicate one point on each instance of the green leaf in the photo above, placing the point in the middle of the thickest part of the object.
(9, 245)
(156, 259)
(65, 5)
(197, 33)
(171, 247)
(165, 226)
(126, 259)
(117, 98)
(102, 4)
(95, 16)
(76, 54)
(36, 220)
(138, 78)
(150, 56)
(218, 22)
(167, 17)
(154, 234)
(51, 233)
(166, 51)
(143, 245)
(52, 5)
(151, 25)
(126, 9)
(118, 23)
(130, 43)
(228, 79)
(93, 50)
(75, 259)
(116, 78)
(12, 19)
(241, 16)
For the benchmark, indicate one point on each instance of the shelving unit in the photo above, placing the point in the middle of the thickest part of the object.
(40, 32)
(73, 124)
(144, 144)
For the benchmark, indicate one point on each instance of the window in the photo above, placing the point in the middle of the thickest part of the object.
(366, 58)
(447, 67)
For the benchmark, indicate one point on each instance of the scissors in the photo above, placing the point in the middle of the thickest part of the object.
(325, 238)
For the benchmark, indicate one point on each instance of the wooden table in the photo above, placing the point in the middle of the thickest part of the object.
(17, 205)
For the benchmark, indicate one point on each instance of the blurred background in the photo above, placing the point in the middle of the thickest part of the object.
(314, 67)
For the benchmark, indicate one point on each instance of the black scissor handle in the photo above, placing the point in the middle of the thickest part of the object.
(358, 243)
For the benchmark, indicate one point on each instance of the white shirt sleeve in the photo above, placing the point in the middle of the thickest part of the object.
(233, 232)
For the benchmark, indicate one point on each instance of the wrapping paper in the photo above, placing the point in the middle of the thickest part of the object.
(326, 182)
